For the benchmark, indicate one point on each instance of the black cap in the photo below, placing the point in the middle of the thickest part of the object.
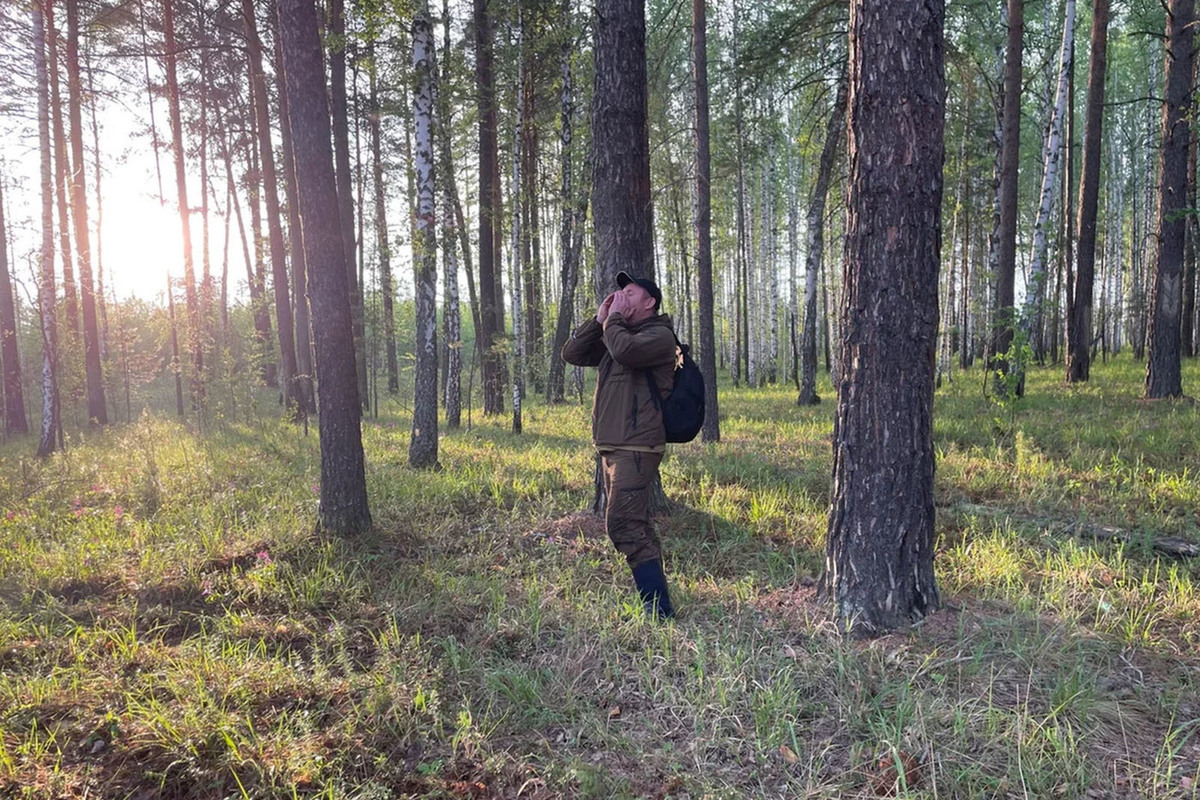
(624, 279)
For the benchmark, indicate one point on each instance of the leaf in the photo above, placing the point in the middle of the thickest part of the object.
(614, 712)
(787, 754)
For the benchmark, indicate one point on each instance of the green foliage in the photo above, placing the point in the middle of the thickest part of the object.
(170, 624)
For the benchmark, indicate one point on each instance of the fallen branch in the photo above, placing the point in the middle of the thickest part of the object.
(1167, 545)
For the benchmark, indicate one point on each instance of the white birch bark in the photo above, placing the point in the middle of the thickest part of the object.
(1052, 159)
(423, 447)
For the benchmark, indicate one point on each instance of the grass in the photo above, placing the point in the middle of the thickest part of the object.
(171, 626)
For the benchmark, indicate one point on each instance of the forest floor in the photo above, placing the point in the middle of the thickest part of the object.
(171, 626)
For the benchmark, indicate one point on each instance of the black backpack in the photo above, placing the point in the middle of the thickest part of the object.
(683, 409)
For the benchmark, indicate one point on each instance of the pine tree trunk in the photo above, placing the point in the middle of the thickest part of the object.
(48, 442)
(97, 407)
(266, 154)
(189, 270)
(62, 175)
(711, 431)
(451, 314)
(1080, 291)
(343, 504)
(491, 330)
(383, 243)
(305, 395)
(815, 227)
(423, 447)
(1163, 374)
(14, 398)
(1006, 245)
(516, 255)
(1188, 314)
(879, 555)
(345, 186)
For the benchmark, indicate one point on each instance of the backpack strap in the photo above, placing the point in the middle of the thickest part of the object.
(654, 390)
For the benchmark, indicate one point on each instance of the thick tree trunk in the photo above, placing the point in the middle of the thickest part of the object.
(343, 507)
(189, 270)
(1006, 245)
(345, 188)
(711, 432)
(423, 447)
(1081, 289)
(266, 155)
(48, 442)
(14, 397)
(621, 213)
(815, 227)
(879, 556)
(1163, 378)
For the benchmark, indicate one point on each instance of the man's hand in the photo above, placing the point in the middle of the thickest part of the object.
(620, 304)
(605, 307)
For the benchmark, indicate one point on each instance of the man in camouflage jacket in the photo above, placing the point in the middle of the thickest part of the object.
(633, 347)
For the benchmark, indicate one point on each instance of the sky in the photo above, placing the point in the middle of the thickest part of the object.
(140, 238)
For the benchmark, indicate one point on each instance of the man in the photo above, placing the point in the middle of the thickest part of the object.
(634, 347)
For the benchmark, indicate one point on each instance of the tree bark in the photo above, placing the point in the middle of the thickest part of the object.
(345, 187)
(1080, 291)
(711, 431)
(879, 556)
(1163, 369)
(189, 270)
(383, 244)
(62, 174)
(14, 397)
(97, 407)
(423, 447)
(815, 227)
(1006, 245)
(305, 396)
(516, 255)
(491, 331)
(451, 314)
(48, 442)
(270, 183)
(1035, 292)
(572, 213)
(343, 505)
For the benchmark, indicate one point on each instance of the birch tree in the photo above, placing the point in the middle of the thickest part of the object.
(1035, 292)
(423, 448)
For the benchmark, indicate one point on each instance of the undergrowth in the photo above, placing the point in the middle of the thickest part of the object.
(172, 626)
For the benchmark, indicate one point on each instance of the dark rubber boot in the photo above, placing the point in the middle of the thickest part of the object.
(652, 586)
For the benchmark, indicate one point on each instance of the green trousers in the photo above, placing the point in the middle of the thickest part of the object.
(628, 476)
